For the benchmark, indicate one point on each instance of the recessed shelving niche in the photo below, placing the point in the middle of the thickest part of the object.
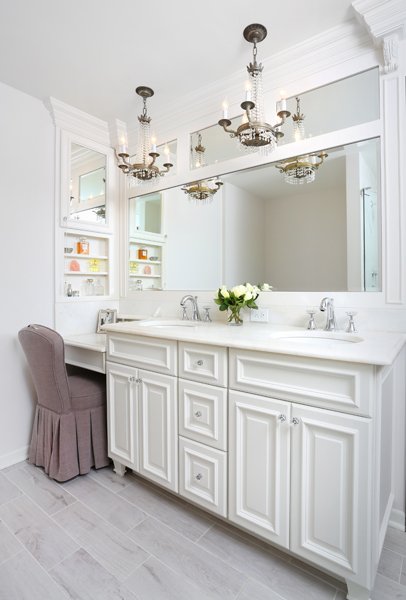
(150, 281)
(99, 249)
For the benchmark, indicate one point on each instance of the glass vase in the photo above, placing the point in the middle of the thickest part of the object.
(235, 315)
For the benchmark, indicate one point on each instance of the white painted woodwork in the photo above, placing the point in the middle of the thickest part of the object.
(331, 490)
(203, 413)
(331, 384)
(122, 415)
(155, 354)
(259, 465)
(203, 475)
(201, 362)
(85, 358)
(159, 428)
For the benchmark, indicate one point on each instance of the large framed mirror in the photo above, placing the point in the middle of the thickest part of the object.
(321, 235)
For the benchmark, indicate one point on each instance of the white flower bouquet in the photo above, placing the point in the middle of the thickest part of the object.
(235, 299)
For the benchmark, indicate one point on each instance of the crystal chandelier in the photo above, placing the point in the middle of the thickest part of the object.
(298, 124)
(144, 169)
(301, 169)
(254, 133)
(202, 192)
(198, 158)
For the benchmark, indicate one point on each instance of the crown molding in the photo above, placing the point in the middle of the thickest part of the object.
(71, 119)
(382, 18)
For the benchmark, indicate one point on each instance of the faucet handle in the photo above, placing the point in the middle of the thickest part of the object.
(207, 316)
(351, 324)
(311, 325)
(184, 314)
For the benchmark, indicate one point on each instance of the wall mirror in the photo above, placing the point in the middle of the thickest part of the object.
(87, 185)
(317, 236)
(344, 103)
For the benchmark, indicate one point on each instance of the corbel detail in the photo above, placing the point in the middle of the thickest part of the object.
(390, 45)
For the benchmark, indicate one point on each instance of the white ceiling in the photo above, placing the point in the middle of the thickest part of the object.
(92, 54)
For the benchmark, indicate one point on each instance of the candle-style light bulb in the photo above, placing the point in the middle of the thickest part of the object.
(248, 88)
(225, 109)
(123, 145)
(283, 99)
(153, 142)
(298, 137)
(167, 152)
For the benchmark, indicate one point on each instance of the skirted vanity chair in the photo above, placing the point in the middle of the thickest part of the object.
(69, 435)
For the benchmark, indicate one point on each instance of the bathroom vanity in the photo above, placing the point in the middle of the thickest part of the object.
(287, 436)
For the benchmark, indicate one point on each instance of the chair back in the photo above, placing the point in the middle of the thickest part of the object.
(45, 352)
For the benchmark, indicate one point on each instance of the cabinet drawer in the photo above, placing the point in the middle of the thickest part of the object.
(153, 354)
(203, 413)
(331, 384)
(203, 476)
(200, 362)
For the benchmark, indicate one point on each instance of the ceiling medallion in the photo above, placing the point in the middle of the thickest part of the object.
(144, 170)
(301, 169)
(254, 133)
(202, 192)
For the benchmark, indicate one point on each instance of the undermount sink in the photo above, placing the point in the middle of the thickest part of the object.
(169, 323)
(315, 338)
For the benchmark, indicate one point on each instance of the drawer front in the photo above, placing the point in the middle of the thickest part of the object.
(346, 387)
(203, 413)
(85, 358)
(203, 476)
(200, 362)
(153, 354)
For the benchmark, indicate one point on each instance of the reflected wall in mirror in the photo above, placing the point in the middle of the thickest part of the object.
(87, 187)
(344, 103)
(321, 236)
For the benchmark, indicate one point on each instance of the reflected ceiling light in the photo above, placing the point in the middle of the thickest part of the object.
(254, 133)
(144, 170)
(301, 169)
(198, 158)
(298, 123)
(202, 192)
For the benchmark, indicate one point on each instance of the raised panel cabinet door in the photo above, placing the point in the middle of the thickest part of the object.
(159, 428)
(331, 490)
(259, 472)
(122, 414)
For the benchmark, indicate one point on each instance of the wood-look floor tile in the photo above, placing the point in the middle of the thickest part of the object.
(109, 479)
(45, 492)
(155, 581)
(403, 572)
(40, 535)
(385, 589)
(206, 572)
(253, 591)
(107, 504)
(22, 578)
(274, 573)
(390, 565)
(83, 578)
(395, 540)
(105, 543)
(170, 513)
(341, 595)
(9, 545)
(157, 488)
(8, 491)
(341, 585)
(18, 465)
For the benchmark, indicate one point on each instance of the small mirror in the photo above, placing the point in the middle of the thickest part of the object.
(145, 214)
(87, 185)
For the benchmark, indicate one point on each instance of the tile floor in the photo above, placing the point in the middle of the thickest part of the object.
(104, 537)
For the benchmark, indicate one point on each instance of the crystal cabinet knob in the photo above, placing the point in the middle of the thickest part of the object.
(295, 421)
(198, 414)
(138, 381)
(199, 362)
(198, 476)
(131, 379)
(282, 418)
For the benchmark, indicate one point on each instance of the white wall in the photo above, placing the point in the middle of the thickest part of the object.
(27, 243)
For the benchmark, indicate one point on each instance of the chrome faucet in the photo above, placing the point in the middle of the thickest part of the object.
(327, 304)
(193, 299)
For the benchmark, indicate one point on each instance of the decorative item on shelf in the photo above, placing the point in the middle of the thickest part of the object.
(198, 158)
(298, 123)
(98, 287)
(154, 258)
(202, 192)
(69, 291)
(68, 250)
(138, 285)
(142, 253)
(74, 265)
(134, 267)
(83, 246)
(143, 170)
(106, 316)
(301, 169)
(147, 270)
(75, 293)
(94, 265)
(235, 300)
(89, 287)
(254, 133)
(101, 211)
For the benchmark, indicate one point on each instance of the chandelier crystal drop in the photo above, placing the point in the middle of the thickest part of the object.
(144, 170)
(255, 133)
(198, 157)
(202, 192)
(301, 169)
(298, 124)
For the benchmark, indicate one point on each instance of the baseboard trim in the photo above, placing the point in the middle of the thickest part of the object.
(397, 519)
(7, 460)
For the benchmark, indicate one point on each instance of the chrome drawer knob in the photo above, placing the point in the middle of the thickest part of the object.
(198, 414)
(199, 476)
(131, 379)
(138, 381)
(282, 418)
(295, 421)
(200, 362)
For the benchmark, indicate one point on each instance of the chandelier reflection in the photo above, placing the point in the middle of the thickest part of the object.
(197, 155)
(144, 170)
(298, 123)
(202, 192)
(301, 169)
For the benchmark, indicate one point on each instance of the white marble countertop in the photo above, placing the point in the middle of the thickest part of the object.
(90, 341)
(376, 348)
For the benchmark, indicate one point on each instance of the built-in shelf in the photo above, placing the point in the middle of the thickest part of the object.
(94, 273)
(139, 275)
(143, 260)
(89, 256)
